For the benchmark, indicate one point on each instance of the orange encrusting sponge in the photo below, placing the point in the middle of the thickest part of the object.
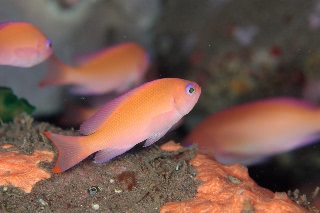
(228, 188)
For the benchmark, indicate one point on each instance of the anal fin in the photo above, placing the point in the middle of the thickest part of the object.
(105, 155)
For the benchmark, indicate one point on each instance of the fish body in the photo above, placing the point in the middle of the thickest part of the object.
(23, 45)
(144, 113)
(115, 68)
(250, 132)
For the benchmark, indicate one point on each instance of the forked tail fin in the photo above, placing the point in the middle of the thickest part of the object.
(57, 74)
(71, 149)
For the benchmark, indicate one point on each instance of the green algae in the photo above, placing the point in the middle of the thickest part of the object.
(11, 105)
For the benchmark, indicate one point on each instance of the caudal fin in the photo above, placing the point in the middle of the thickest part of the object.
(57, 74)
(71, 150)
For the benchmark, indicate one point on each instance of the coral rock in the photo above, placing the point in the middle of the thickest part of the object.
(21, 170)
(228, 188)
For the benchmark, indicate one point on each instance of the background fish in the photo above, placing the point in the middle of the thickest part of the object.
(23, 45)
(144, 113)
(249, 132)
(75, 114)
(115, 68)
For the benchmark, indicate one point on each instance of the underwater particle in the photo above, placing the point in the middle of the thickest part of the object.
(93, 190)
(11, 105)
(234, 179)
(95, 206)
(127, 179)
(177, 167)
(117, 190)
(5, 188)
(21, 170)
(43, 202)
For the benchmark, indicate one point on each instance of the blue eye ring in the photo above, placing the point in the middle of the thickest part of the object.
(190, 89)
(48, 44)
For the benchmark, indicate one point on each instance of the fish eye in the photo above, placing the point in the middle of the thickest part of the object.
(48, 44)
(190, 89)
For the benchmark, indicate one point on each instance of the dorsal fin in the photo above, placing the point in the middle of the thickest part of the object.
(96, 120)
(84, 58)
(81, 59)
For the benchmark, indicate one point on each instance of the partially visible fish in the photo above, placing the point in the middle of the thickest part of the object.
(144, 113)
(75, 114)
(23, 45)
(250, 132)
(115, 68)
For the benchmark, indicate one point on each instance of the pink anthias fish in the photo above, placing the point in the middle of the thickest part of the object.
(116, 68)
(144, 113)
(23, 45)
(250, 132)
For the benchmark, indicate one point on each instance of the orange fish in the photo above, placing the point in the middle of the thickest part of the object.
(250, 132)
(112, 69)
(144, 113)
(23, 45)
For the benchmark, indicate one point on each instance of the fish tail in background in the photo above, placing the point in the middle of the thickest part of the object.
(71, 149)
(57, 73)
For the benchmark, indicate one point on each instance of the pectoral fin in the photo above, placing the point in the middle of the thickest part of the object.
(109, 153)
(155, 137)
